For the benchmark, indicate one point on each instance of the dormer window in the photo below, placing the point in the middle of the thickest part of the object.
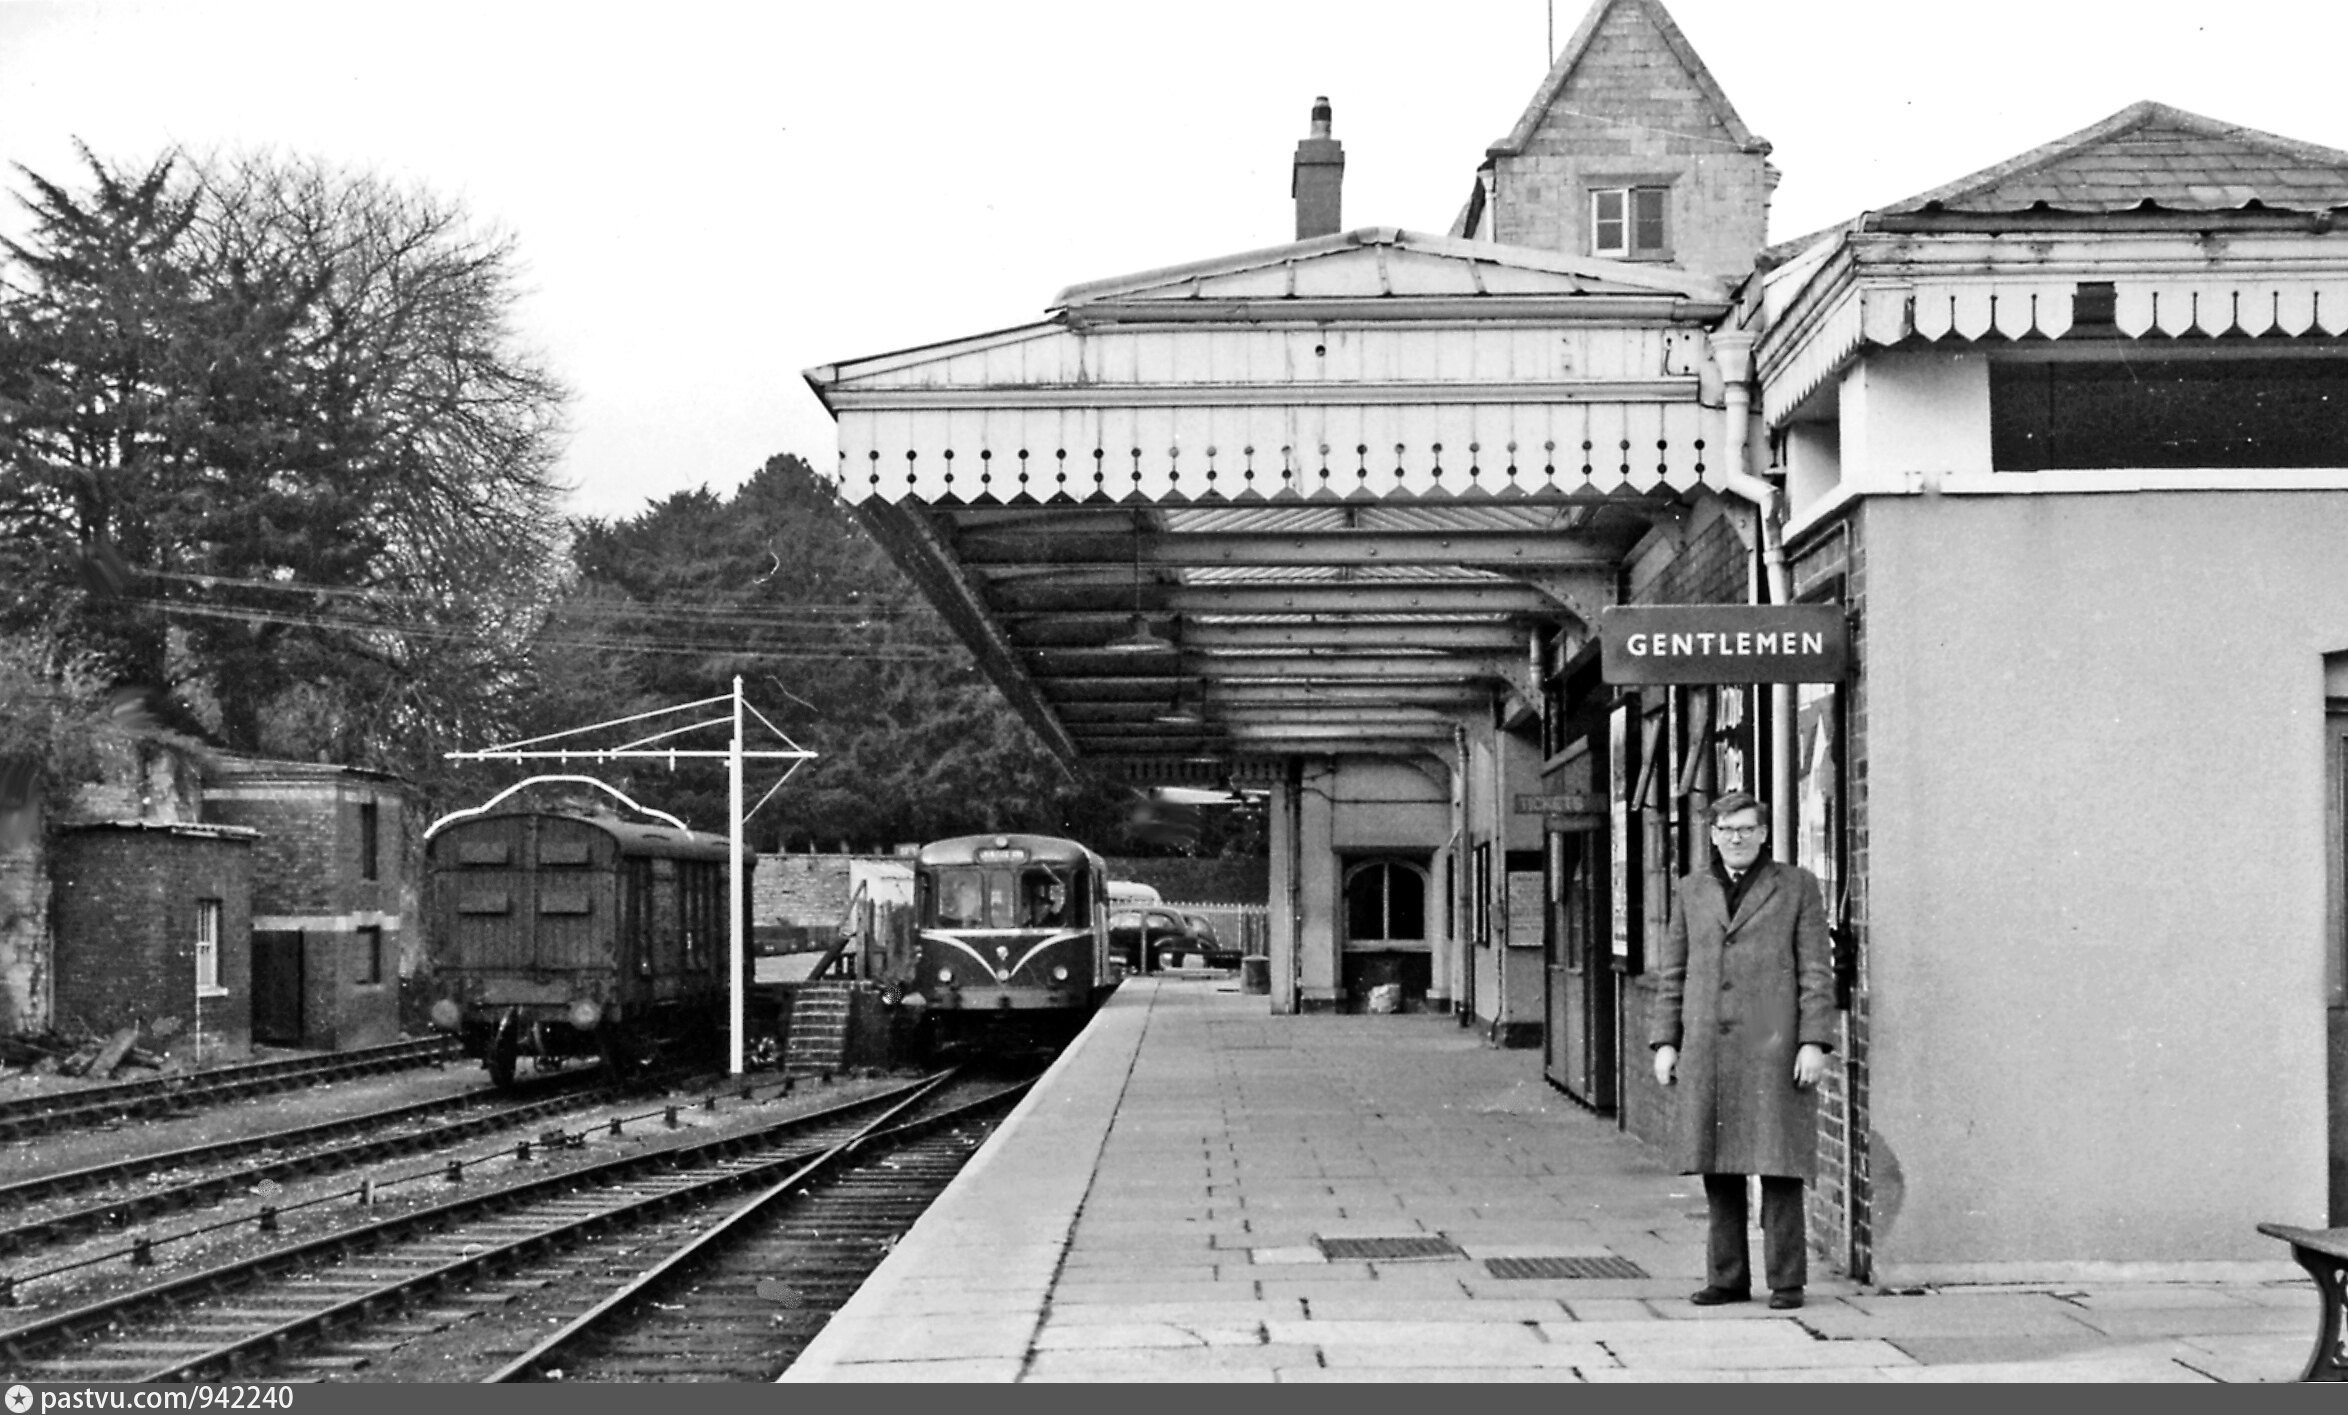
(1626, 223)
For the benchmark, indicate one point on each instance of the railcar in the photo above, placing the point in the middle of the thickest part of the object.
(558, 935)
(1011, 939)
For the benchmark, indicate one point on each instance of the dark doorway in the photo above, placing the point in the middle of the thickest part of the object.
(1581, 974)
(277, 987)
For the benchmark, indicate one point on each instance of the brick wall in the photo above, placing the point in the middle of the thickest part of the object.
(140, 781)
(124, 912)
(24, 936)
(1630, 114)
(1841, 1202)
(806, 891)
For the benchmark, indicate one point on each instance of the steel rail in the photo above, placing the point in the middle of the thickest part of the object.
(565, 1093)
(38, 1115)
(225, 1357)
(20, 1343)
(533, 1362)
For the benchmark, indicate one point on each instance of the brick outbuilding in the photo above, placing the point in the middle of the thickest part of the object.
(335, 890)
(148, 919)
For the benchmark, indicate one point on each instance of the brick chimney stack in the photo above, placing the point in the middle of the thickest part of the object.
(1317, 178)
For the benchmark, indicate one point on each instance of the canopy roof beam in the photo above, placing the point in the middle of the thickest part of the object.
(1489, 550)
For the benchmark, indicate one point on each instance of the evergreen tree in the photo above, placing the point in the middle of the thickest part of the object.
(266, 444)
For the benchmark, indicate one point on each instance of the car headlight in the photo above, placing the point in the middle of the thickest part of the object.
(1060, 974)
(945, 975)
(585, 1013)
(446, 1014)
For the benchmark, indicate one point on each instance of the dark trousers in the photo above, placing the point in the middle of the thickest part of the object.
(1785, 1248)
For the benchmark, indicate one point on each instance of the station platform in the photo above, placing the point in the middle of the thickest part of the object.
(1201, 1191)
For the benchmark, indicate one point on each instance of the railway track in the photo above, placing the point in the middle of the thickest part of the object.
(740, 1299)
(297, 1152)
(364, 1284)
(164, 1095)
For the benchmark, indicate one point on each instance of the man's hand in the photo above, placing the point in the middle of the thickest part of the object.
(1666, 1060)
(1809, 1065)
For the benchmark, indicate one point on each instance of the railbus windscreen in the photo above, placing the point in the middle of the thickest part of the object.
(1027, 894)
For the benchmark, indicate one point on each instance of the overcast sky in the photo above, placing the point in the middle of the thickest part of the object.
(711, 198)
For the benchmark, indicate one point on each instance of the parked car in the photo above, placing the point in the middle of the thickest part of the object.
(1219, 954)
(1151, 940)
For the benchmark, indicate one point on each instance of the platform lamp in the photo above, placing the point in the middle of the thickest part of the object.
(1140, 638)
(1183, 711)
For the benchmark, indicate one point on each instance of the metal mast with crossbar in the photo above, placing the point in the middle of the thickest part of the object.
(734, 754)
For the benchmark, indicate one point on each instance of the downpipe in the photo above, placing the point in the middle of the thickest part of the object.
(1733, 349)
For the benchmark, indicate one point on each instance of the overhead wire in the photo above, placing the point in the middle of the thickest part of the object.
(820, 651)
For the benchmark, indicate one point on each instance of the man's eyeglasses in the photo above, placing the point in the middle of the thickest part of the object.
(1738, 832)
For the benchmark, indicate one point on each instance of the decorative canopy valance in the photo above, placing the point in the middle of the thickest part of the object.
(1794, 367)
(1190, 454)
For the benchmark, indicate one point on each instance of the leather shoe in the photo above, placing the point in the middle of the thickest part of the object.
(1715, 1296)
(1785, 1299)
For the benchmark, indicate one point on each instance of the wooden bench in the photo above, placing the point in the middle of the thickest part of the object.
(2324, 1253)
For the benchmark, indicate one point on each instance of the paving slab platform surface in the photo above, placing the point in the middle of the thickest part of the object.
(1163, 1208)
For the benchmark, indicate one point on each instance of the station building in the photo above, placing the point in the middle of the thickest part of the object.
(2059, 446)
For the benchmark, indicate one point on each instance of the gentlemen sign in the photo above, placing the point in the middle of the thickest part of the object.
(1724, 643)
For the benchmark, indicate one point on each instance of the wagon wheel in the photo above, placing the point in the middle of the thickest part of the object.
(505, 1049)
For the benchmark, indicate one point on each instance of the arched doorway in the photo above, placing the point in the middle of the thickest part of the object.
(1386, 930)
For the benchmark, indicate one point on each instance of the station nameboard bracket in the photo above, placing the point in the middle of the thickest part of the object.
(1566, 811)
(1724, 643)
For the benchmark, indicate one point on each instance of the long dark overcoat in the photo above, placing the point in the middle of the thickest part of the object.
(1738, 996)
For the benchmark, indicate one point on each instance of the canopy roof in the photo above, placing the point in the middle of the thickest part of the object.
(1305, 499)
(2154, 223)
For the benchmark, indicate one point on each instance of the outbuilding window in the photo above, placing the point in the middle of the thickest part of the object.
(208, 948)
(370, 953)
(1627, 223)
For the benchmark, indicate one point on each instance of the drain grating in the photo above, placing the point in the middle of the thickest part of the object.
(1388, 1248)
(1609, 1266)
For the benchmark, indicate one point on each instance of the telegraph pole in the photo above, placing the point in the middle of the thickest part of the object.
(736, 925)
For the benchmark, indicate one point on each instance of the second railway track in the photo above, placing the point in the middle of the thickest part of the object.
(412, 1128)
(258, 1313)
(164, 1095)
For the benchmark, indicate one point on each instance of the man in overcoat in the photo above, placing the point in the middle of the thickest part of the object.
(1743, 1018)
